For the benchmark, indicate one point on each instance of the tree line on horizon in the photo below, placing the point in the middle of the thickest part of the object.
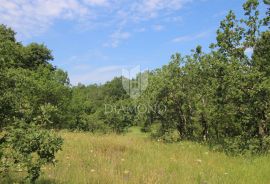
(220, 98)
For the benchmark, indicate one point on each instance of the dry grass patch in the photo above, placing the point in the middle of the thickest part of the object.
(88, 158)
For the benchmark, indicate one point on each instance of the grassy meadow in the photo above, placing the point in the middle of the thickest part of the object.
(134, 158)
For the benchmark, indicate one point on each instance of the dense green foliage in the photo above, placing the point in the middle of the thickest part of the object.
(98, 108)
(33, 96)
(221, 98)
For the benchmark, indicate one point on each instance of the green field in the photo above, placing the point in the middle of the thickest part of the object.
(135, 158)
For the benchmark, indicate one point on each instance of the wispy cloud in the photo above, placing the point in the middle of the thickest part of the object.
(188, 38)
(83, 61)
(97, 2)
(140, 30)
(176, 19)
(153, 8)
(220, 14)
(158, 27)
(30, 18)
(91, 67)
(96, 75)
(116, 38)
(94, 67)
(34, 17)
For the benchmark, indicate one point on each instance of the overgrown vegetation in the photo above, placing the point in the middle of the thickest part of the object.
(134, 158)
(33, 97)
(220, 98)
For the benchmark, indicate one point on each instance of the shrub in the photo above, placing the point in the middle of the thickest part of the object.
(241, 145)
(168, 136)
(28, 146)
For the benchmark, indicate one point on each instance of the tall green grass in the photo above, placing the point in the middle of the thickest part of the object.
(134, 158)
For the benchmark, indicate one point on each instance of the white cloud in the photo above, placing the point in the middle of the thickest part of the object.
(90, 67)
(97, 2)
(188, 38)
(116, 38)
(140, 30)
(220, 14)
(96, 75)
(158, 27)
(30, 18)
(176, 19)
(34, 17)
(81, 61)
(152, 8)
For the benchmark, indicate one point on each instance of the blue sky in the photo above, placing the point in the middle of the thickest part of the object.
(94, 39)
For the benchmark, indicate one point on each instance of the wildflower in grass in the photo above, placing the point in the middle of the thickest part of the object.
(173, 159)
(19, 168)
(93, 170)
(199, 161)
(122, 159)
(126, 175)
(126, 172)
